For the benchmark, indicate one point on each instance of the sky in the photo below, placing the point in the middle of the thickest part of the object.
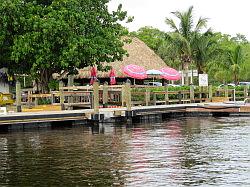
(226, 16)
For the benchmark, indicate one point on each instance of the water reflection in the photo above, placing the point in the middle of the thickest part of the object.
(187, 151)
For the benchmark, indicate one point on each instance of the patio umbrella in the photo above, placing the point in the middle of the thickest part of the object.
(154, 73)
(112, 77)
(170, 74)
(93, 75)
(134, 71)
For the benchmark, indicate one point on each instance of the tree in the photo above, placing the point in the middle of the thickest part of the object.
(46, 37)
(235, 61)
(205, 50)
(152, 37)
(182, 37)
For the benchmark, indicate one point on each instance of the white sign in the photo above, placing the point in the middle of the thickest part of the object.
(203, 80)
(195, 73)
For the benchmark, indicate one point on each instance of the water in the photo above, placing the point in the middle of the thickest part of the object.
(181, 152)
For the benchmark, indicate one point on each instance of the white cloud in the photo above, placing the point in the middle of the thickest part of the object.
(229, 17)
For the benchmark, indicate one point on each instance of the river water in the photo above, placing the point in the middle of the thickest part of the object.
(176, 152)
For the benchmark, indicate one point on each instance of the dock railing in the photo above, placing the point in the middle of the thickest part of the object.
(71, 97)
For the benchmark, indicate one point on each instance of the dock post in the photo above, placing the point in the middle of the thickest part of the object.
(128, 99)
(29, 98)
(105, 95)
(154, 98)
(96, 101)
(52, 98)
(62, 99)
(192, 93)
(179, 96)
(226, 91)
(245, 91)
(166, 95)
(123, 92)
(147, 97)
(210, 93)
(70, 98)
(18, 97)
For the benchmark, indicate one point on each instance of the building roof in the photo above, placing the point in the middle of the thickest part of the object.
(139, 54)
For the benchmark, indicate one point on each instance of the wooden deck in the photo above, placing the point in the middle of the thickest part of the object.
(108, 113)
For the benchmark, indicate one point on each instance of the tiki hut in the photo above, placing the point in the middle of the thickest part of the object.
(139, 54)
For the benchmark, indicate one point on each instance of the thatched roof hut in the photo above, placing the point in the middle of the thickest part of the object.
(139, 54)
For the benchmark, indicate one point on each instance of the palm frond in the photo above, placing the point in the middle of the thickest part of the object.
(170, 22)
(202, 23)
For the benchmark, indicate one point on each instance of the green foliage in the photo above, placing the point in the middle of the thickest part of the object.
(52, 36)
(44, 101)
(151, 36)
(54, 85)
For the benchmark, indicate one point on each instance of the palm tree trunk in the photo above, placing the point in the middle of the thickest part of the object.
(186, 74)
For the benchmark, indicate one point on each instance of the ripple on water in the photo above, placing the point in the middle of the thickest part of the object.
(186, 151)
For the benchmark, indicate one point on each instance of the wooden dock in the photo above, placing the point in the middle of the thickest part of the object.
(106, 114)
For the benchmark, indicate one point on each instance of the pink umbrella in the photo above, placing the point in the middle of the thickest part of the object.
(93, 74)
(170, 74)
(134, 71)
(112, 77)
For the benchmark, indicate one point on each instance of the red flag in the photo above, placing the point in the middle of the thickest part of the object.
(112, 77)
(93, 74)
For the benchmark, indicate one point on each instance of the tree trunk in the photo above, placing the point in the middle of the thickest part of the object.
(45, 77)
(186, 73)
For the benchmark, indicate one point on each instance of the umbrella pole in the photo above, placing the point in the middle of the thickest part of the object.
(134, 81)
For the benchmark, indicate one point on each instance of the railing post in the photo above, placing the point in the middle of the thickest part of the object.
(179, 96)
(52, 99)
(154, 98)
(18, 97)
(123, 92)
(166, 95)
(210, 93)
(147, 97)
(128, 99)
(226, 91)
(96, 100)
(29, 98)
(245, 92)
(105, 95)
(61, 95)
(70, 98)
(192, 93)
(200, 94)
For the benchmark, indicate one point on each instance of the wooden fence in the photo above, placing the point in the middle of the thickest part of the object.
(71, 97)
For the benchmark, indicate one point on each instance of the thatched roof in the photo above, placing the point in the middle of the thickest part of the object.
(139, 54)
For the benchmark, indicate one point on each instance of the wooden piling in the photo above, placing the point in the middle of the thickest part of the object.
(179, 96)
(128, 112)
(147, 97)
(210, 92)
(246, 91)
(226, 91)
(166, 95)
(18, 97)
(192, 93)
(123, 95)
(105, 95)
(70, 98)
(154, 98)
(96, 97)
(61, 95)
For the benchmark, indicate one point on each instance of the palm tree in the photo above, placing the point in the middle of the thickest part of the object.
(183, 35)
(235, 61)
(205, 50)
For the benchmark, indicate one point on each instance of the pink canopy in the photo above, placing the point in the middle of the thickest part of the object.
(112, 77)
(134, 71)
(93, 75)
(170, 74)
